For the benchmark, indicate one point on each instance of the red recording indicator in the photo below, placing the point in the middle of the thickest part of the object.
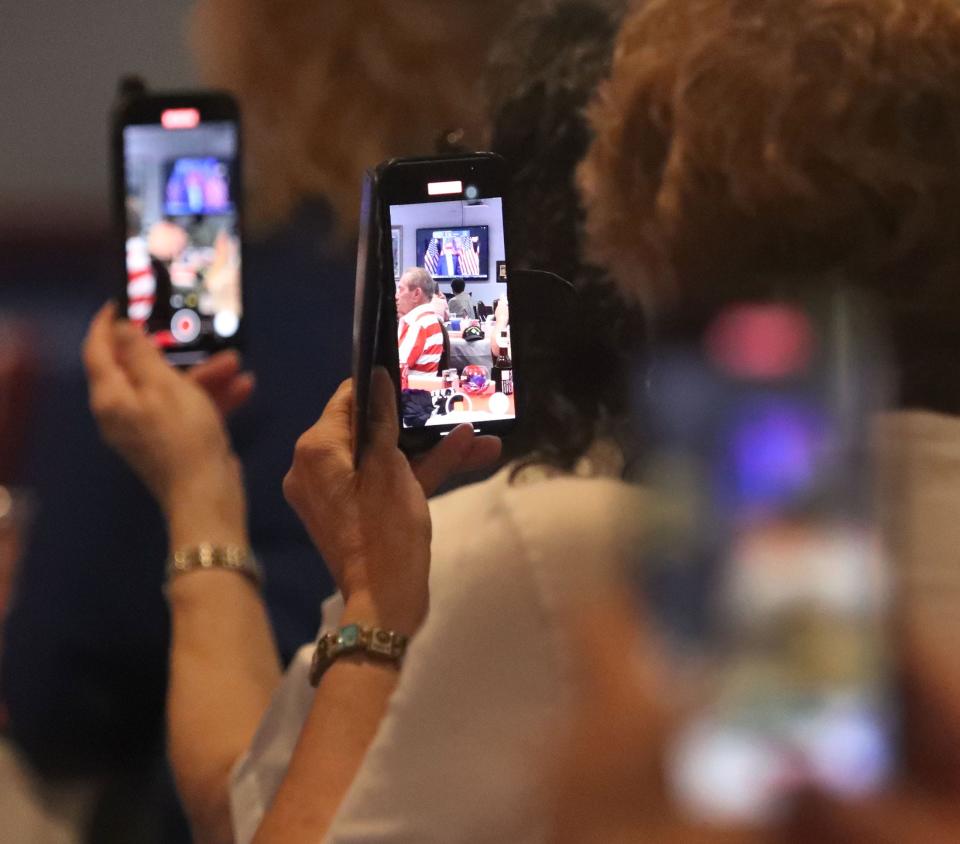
(180, 118)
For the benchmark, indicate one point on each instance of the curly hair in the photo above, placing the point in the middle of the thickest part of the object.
(739, 139)
(331, 87)
(543, 71)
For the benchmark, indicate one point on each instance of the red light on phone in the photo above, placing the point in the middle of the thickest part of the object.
(180, 118)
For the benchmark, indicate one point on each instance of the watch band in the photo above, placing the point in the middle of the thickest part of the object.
(374, 642)
(206, 556)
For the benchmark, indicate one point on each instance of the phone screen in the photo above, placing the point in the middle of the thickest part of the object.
(182, 241)
(454, 348)
(769, 574)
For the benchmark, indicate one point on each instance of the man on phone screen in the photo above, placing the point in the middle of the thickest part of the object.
(419, 333)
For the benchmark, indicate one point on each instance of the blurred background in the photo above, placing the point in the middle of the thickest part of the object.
(59, 66)
(59, 63)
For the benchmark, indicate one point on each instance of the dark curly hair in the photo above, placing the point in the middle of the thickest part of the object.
(745, 139)
(576, 348)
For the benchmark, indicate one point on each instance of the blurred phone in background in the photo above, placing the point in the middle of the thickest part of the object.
(178, 208)
(766, 571)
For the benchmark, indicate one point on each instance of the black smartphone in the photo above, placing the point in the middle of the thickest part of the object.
(767, 571)
(368, 319)
(432, 304)
(177, 202)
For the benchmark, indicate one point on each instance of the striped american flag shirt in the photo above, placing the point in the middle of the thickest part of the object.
(141, 284)
(420, 340)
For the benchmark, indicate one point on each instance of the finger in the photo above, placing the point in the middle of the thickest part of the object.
(142, 361)
(235, 394)
(384, 421)
(216, 370)
(930, 689)
(891, 818)
(104, 373)
(337, 417)
(445, 459)
(484, 452)
(98, 356)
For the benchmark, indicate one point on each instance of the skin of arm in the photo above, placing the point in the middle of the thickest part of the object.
(349, 703)
(371, 525)
(224, 664)
(379, 554)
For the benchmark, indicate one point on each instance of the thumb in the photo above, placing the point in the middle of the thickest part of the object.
(444, 460)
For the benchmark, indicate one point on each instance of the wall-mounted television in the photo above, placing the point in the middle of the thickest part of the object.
(455, 253)
(197, 186)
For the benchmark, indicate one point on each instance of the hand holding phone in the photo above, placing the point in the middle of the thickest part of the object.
(428, 223)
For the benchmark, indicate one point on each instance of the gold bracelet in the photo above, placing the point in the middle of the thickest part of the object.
(206, 556)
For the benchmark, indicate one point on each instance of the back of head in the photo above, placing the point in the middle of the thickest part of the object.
(543, 72)
(739, 137)
(458, 285)
(741, 140)
(330, 88)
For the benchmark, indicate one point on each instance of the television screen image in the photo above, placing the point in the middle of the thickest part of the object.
(197, 186)
(454, 253)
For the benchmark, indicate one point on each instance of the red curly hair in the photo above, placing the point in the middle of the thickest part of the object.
(743, 138)
(331, 87)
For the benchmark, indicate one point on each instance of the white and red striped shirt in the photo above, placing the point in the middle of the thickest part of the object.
(141, 284)
(420, 338)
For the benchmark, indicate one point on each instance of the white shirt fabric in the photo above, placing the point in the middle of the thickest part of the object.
(461, 752)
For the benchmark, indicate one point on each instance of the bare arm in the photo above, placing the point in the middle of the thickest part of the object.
(223, 662)
(224, 668)
(372, 526)
(346, 712)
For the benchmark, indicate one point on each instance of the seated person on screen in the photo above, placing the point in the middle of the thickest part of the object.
(440, 305)
(460, 304)
(419, 333)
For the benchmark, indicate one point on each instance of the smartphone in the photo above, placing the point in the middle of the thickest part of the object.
(432, 301)
(178, 200)
(767, 571)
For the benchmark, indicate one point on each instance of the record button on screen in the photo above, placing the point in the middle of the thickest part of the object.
(185, 326)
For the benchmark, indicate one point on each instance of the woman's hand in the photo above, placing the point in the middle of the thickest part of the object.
(168, 427)
(372, 525)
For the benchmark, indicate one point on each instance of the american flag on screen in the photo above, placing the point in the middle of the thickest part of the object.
(431, 259)
(470, 255)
